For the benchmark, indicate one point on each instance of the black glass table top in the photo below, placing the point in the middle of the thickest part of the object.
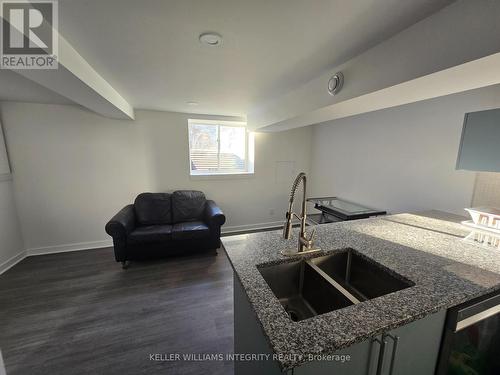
(343, 208)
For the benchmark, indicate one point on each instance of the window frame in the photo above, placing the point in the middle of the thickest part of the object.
(248, 169)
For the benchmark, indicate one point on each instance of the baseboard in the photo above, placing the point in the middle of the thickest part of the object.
(69, 247)
(251, 227)
(107, 243)
(9, 263)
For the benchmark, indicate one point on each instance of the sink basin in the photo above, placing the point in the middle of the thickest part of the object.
(364, 278)
(301, 290)
(306, 288)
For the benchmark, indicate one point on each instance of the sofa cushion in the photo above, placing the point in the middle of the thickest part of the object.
(190, 230)
(151, 233)
(153, 208)
(188, 205)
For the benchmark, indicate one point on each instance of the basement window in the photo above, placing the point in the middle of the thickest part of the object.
(220, 148)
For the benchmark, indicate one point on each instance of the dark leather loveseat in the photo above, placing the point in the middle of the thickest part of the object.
(161, 223)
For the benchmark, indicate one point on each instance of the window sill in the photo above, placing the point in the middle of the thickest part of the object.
(221, 176)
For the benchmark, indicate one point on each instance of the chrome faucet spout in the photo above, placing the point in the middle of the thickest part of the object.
(303, 243)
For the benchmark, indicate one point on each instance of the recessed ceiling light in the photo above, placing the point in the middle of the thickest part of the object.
(211, 39)
(193, 103)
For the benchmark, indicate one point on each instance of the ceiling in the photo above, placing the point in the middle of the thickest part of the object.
(14, 87)
(149, 51)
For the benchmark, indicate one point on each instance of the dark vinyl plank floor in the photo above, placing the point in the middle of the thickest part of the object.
(80, 313)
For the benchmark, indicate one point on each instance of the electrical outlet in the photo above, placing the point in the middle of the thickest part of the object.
(272, 212)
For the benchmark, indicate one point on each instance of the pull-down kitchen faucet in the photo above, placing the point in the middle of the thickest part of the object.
(304, 244)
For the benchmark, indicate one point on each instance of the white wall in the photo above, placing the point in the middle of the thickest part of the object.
(73, 170)
(11, 242)
(399, 159)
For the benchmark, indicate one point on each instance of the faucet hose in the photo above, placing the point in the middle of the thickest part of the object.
(300, 177)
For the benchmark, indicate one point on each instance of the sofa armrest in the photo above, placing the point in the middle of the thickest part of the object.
(122, 223)
(213, 214)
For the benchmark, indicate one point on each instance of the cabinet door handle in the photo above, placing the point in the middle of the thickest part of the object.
(395, 340)
(381, 354)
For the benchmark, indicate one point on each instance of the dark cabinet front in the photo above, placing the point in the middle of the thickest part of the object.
(472, 340)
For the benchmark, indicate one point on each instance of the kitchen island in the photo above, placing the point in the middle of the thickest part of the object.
(425, 249)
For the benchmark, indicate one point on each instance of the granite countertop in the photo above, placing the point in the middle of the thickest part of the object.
(425, 248)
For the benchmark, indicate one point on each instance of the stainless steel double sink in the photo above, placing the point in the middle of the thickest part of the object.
(314, 286)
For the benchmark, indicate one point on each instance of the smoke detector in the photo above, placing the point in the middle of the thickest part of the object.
(211, 39)
(335, 83)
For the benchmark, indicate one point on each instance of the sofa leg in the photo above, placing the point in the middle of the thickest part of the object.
(125, 264)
